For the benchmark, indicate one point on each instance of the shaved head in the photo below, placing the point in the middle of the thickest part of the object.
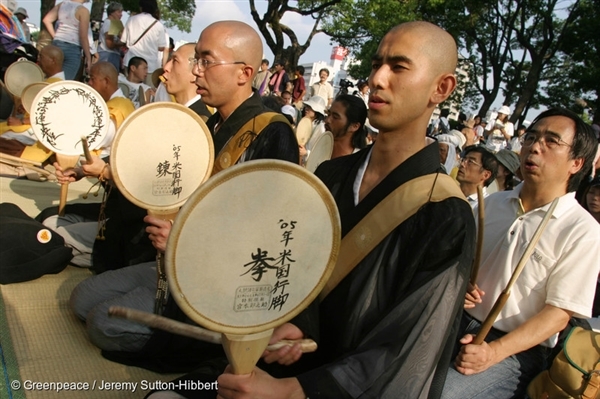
(240, 39)
(54, 53)
(438, 44)
(104, 79)
(107, 70)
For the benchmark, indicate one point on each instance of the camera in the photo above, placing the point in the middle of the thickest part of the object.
(345, 83)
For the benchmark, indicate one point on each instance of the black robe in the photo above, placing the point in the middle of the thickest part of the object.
(277, 140)
(387, 330)
(167, 352)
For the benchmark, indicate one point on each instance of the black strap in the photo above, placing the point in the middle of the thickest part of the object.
(146, 31)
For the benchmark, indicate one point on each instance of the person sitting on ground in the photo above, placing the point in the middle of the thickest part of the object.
(478, 167)
(178, 80)
(83, 223)
(559, 278)
(224, 62)
(134, 78)
(17, 130)
(398, 309)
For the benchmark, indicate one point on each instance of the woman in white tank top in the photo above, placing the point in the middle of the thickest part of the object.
(71, 34)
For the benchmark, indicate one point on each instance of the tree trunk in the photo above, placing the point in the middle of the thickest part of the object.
(44, 8)
(97, 10)
(529, 90)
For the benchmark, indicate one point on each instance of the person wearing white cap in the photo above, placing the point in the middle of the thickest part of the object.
(448, 144)
(21, 15)
(314, 109)
(500, 131)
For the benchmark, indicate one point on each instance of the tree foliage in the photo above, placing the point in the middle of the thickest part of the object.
(511, 46)
(276, 33)
(576, 75)
(360, 25)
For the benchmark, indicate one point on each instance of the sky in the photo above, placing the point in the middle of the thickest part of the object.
(209, 11)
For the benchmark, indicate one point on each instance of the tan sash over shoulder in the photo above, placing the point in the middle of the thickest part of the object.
(236, 145)
(398, 206)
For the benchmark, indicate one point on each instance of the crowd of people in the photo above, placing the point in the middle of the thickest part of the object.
(402, 322)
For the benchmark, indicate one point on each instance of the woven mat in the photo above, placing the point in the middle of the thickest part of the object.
(41, 341)
(50, 344)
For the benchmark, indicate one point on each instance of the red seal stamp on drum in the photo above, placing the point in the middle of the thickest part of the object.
(44, 236)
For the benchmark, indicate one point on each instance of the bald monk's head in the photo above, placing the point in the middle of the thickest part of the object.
(104, 79)
(51, 60)
(412, 72)
(232, 53)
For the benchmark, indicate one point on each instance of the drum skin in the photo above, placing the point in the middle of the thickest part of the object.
(320, 152)
(252, 247)
(63, 112)
(160, 155)
(21, 74)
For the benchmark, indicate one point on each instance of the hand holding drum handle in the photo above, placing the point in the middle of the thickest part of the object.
(161, 284)
(188, 330)
(501, 301)
(480, 231)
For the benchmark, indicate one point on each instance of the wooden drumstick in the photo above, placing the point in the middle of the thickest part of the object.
(501, 301)
(65, 162)
(480, 231)
(188, 330)
(86, 150)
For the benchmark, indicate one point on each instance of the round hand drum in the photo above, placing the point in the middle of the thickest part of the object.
(161, 154)
(20, 74)
(29, 94)
(321, 151)
(251, 249)
(304, 130)
(64, 112)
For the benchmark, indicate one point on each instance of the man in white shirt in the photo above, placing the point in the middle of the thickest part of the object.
(137, 72)
(478, 167)
(145, 36)
(323, 88)
(559, 279)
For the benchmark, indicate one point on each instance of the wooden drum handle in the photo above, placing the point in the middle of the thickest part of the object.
(188, 330)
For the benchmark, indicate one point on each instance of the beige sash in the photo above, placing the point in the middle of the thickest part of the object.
(235, 147)
(398, 206)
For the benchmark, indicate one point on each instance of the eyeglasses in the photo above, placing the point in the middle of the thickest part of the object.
(203, 64)
(469, 162)
(547, 140)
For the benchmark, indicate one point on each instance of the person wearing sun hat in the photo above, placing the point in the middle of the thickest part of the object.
(508, 167)
(314, 109)
(500, 131)
(21, 15)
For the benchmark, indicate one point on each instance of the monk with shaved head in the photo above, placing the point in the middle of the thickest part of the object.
(50, 59)
(223, 62)
(386, 323)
